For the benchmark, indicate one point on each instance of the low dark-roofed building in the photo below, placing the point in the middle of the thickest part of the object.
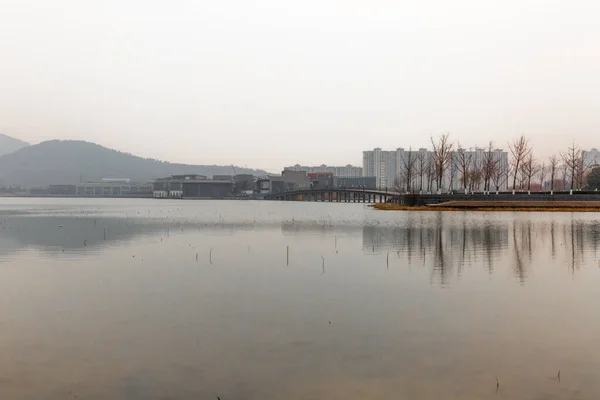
(207, 189)
(187, 177)
(270, 184)
(295, 180)
(64, 190)
(110, 188)
(321, 180)
(172, 186)
(243, 182)
(222, 177)
(167, 188)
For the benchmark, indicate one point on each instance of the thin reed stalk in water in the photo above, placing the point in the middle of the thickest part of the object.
(210, 256)
(288, 255)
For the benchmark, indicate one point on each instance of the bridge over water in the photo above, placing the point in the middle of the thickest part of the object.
(336, 195)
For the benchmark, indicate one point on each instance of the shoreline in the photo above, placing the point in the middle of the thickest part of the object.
(502, 206)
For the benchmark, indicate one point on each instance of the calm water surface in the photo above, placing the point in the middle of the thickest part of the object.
(144, 299)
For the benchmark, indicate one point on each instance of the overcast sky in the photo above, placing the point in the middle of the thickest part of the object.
(274, 83)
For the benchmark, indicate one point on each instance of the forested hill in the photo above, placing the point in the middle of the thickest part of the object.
(72, 161)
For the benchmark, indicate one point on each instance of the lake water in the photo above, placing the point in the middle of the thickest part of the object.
(147, 299)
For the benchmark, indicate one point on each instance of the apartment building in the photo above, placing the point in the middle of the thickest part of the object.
(591, 157)
(347, 171)
(381, 164)
(393, 169)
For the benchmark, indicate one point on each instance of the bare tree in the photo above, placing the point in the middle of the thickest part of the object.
(422, 167)
(463, 163)
(564, 173)
(475, 177)
(442, 153)
(500, 176)
(580, 171)
(522, 179)
(452, 169)
(529, 169)
(408, 172)
(519, 150)
(398, 184)
(552, 169)
(572, 159)
(429, 172)
(542, 170)
(487, 167)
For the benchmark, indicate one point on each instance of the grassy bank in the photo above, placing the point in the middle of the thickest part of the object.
(546, 206)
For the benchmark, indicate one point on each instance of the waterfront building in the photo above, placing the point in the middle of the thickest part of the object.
(207, 188)
(295, 180)
(172, 186)
(270, 184)
(111, 188)
(381, 164)
(347, 171)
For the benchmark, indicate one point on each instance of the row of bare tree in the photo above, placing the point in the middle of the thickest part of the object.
(565, 171)
(419, 172)
(487, 169)
(423, 171)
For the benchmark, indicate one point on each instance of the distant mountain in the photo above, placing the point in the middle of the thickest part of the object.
(72, 161)
(10, 145)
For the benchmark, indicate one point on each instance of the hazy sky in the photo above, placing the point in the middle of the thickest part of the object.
(272, 83)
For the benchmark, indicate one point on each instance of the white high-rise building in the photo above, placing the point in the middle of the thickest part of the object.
(368, 163)
(347, 171)
(390, 168)
(591, 157)
(382, 165)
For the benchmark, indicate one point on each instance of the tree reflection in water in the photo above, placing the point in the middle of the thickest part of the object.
(451, 242)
